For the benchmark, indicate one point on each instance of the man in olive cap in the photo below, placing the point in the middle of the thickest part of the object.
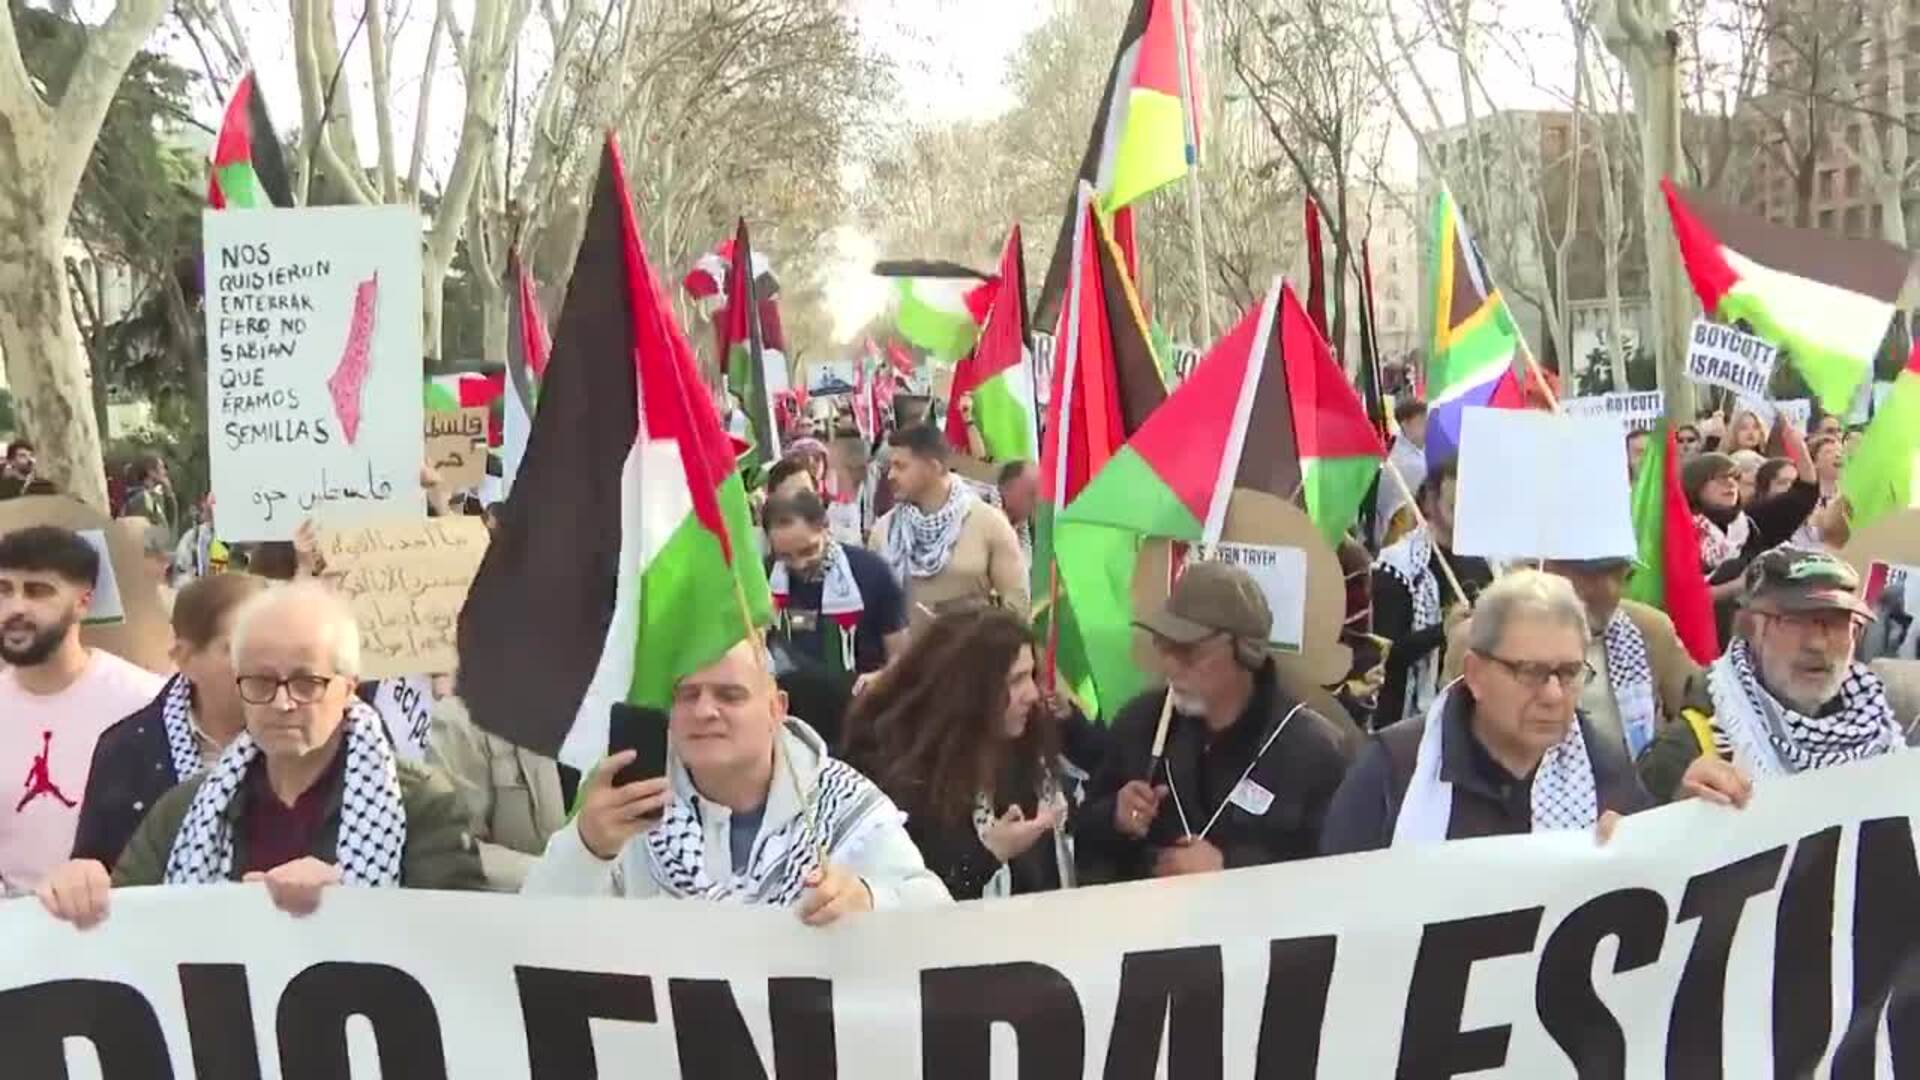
(1243, 774)
(1788, 696)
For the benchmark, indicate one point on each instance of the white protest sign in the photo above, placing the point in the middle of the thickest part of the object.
(313, 366)
(1534, 485)
(1723, 356)
(1281, 573)
(405, 702)
(1637, 410)
(1697, 935)
(107, 607)
(1798, 411)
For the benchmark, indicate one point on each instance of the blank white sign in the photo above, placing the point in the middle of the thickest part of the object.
(1535, 485)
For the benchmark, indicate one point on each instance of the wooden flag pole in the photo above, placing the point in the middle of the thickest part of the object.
(1191, 130)
(1420, 519)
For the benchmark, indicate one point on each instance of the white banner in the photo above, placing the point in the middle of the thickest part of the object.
(313, 366)
(1637, 410)
(1723, 356)
(1701, 941)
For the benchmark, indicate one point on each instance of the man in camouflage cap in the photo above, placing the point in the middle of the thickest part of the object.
(1788, 696)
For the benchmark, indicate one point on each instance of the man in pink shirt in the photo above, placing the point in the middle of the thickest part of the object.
(56, 697)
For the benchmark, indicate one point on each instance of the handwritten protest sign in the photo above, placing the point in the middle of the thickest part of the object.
(1798, 411)
(1722, 356)
(1514, 498)
(457, 446)
(1634, 411)
(313, 366)
(1281, 573)
(406, 581)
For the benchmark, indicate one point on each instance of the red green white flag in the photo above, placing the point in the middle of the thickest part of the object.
(998, 373)
(248, 169)
(1668, 575)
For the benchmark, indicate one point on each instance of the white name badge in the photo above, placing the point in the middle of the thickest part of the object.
(1251, 797)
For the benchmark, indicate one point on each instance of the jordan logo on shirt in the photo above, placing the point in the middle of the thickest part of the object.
(40, 780)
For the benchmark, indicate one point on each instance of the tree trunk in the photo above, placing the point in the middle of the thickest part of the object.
(46, 364)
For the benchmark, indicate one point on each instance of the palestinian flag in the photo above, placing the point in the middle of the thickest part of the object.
(249, 170)
(939, 306)
(469, 390)
(755, 360)
(1105, 385)
(614, 570)
(1879, 478)
(1340, 452)
(1474, 338)
(1668, 575)
(999, 371)
(1822, 299)
(527, 349)
(708, 278)
(1146, 133)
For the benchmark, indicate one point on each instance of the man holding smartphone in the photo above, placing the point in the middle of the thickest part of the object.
(751, 809)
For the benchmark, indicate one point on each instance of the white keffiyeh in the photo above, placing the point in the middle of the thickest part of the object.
(1756, 729)
(373, 823)
(1050, 796)
(1410, 562)
(919, 544)
(176, 714)
(1717, 545)
(1564, 793)
(846, 806)
(840, 598)
(1630, 678)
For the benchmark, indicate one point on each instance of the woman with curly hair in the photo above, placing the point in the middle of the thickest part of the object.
(961, 737)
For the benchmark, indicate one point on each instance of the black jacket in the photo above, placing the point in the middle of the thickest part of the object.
(1487, 800)
(132, 767)
(1299, 771)
(1393, 620)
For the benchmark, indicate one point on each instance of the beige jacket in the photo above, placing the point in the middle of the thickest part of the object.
(987, 564)
(511, 796)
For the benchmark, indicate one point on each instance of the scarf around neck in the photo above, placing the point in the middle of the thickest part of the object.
(1630, 679)
(1049, 794)
(919, 544)
(1773, 740)
(846, 807)
(373, 822)
(1722, 542)
(176, 714)
(840, 601)
(1410, 562)
(1564, 793)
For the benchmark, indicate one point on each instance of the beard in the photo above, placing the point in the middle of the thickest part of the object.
(1188, 704)
(1807, 691)
(39, 647)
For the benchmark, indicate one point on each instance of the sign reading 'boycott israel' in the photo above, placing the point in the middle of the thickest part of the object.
(1700, 941)
(1722, 356)
(313, 366)
(1634, 411)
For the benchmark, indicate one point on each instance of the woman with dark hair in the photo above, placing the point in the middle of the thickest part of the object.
(960, 736)
(1776, 477)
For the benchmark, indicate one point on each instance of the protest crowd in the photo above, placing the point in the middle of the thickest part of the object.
(1062, 621)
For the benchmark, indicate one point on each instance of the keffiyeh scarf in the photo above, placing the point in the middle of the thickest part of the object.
(846, 807)
(841, 604)
(919, 544)
(1410, 562)
(1717, 545)
(1630, 678)
(373, 823)
(1755, 728)
(1050, 796)
(1564, 793)
(176, 714)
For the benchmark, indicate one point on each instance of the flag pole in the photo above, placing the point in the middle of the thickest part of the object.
(1191, 130)
(1446, 567)
(808, 799)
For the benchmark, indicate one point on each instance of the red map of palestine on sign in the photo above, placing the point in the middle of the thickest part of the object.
(355, 358)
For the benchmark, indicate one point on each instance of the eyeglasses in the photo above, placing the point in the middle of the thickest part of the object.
(301, 689)
(1832, 623)
(1534, 675)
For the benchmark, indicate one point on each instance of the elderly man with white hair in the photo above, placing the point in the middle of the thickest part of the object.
(1504, 748)
(311, 795)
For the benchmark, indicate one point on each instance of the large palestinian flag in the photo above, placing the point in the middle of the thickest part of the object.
(1145, 134)
(1668, 574)
(1824, 300)
(624, 559)
(999, 371)
(249, 170)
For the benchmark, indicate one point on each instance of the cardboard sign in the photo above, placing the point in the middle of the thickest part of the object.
(1281, 573)
(1538, 486)
(1722, 356)
(107, 607)
(457, 446)
(313, 366)
(1638, 410)
(127, 619)
(406, 581)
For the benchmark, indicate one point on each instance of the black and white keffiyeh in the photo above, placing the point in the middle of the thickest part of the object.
(1564, 793)
(373, 823)
(1410, 562)
(1630, 678)
(846, 806)
(919, 544)
(1718, 545)
(1756, 729)
(176, 714)
(1050, 796)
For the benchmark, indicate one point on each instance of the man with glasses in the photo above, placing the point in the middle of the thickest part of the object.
(1788, 695)
(1504, 749)
(1244, 773)
(310, 796)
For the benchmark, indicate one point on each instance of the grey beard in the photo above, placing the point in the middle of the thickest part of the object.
(1188, 704)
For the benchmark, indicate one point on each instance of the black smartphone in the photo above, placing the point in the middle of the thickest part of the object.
(643, 731)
